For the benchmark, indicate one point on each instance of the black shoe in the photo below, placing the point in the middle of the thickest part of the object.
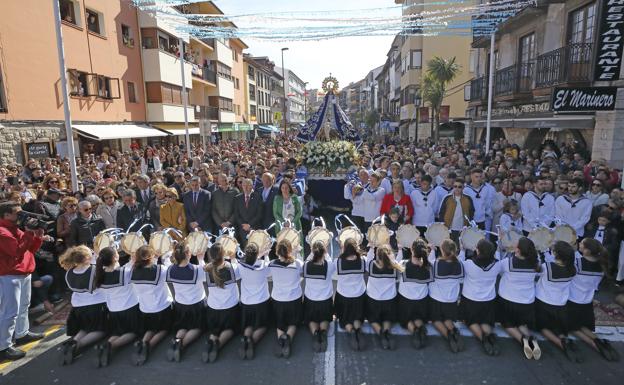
(99, 349)
(143, 354)
(29, 337)
(487, 346)
(11, 354)
(452, 341)
(493, 339)
(69, 352)
(316, 343)
(138, 347)
(565, 346)
(107, 351)
(323, 340)
(280, 346)
(249, 352)
(615, 355)
(422, 334)
(385, 342)
(242, 349)
(360, 339)
(578, 356)
(174, 352)
(353, 341)
(212, 355)
(208, 348)
(286, 346)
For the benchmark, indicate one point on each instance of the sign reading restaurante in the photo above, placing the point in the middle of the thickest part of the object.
(578, 99)
(610, 44)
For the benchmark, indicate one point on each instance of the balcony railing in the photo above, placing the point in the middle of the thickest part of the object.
(478, 88)
(514, 79)
(207, 113)
(571, 63)
(205, 73)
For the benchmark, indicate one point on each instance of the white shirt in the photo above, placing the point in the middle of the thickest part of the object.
(480, 283)
(120, 296)
(600, 234)
(254, 282)
(286, 280)
(536, 210)
(458, 216)
(381, 285)
(154, 296)
(87, 296)
(447, 277)
(517, 282)
(441, 192)
(553, 285)
(574, 212)
(482, 199)
(586, 281)
(499, 201)
(188, 290)
(319, 285)
(414, 281)
(227, 296)
(350, 277)
(371, 201)
(424, 203)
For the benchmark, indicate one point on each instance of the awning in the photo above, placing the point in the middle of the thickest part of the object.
(177, 129)
(269, 128)
(117, 131)
(233, 127)
(554, 121)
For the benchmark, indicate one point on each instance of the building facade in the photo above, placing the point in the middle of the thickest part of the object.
(295, 99)
(550, 48)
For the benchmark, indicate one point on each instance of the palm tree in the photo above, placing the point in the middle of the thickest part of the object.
(440, 72)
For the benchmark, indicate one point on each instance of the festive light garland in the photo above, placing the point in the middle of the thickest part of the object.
(438, 18)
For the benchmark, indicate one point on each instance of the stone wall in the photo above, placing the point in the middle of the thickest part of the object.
(608, 140)
(12, 134)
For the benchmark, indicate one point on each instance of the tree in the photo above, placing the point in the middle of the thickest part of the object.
(440, 73)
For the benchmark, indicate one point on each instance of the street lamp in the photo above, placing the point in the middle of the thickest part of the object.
(284, 88)
(417, 103)
(305, 102)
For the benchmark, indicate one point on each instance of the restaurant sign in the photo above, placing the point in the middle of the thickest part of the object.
(610, 44)
(518, 110)
(583, 99)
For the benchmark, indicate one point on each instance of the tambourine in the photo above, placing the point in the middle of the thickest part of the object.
(262, 239)
(291, 235)
(320, 234)
(378, 235)
(565, 233)
(229, 244)
(161, 242)
(105, 238)
(436, 233)
(407, 234)
(197, 242)
(542, 237)
(130, 242)
(349, 232)
(509, 239)
(469, 238)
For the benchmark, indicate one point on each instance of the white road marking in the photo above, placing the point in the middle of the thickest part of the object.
(330, 356)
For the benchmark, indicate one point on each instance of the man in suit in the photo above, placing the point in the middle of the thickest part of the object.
(267, 192)
(144, 195)
(223, 203)
(130, 212)
(197, 207)
(247, 212)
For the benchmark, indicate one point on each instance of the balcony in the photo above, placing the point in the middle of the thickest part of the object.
(161, 112)
(514, 79)
(204, 73)
(160, 66)
(478, 89)
(569, 64)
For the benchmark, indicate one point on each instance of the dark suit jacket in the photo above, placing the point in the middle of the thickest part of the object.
(139, 197)
(610, 241)
(200, 212)
(267, 208)
(252, 214)
(125, 217)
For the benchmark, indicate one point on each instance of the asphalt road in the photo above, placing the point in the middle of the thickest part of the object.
(433, 365)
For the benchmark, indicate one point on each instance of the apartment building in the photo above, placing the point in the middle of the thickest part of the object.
(103, 60)
(295, 99)
(259, 73)
(389, 94)
(543, 52)
(414, 52)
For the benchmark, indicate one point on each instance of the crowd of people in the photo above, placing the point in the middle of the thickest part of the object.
(249, 185)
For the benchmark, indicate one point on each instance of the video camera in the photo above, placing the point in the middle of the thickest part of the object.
(33, 221)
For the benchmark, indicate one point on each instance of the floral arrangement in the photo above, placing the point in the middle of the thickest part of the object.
(333, 156)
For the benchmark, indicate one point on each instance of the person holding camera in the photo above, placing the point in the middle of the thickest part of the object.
(17, 262)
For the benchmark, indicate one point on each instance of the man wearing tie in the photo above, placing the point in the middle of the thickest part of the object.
(197, 204)
(247, 212)
(223, 203)
(130, 212)
(267, 192)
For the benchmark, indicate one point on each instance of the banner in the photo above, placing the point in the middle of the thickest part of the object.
(610, 44)
(423, 115)
(445, 113)
(582, 99)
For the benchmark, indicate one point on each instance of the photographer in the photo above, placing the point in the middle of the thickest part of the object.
(17, 262)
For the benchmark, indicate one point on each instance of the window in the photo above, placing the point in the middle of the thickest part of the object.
(225, 104)
(126, 36)
(252, 111)
(3, 102)
(237, 83)
(132, 93)
(157, 92)
(69, 11)
(78, 84)
(251, 73)
(397, 63)
(416, 59)
(582, 24)
(224, 71)
(472, 64)
(527, 48)
(234, 55)
(252, 92)
(94, 22)
(404, 65)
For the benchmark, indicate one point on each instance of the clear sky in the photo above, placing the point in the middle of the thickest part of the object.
(348, 59)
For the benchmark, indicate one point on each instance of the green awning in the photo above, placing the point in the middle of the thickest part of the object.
(231, 127)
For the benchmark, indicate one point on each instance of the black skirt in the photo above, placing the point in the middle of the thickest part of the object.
(551, 317)
(477, 312)
(442, 311)
(512, 314)
(219, 320)
(256, 316)
(580, 316)
(287, 313)
(349, 309)
(410, 310)
(380, 311)
(125, 321)
(156, 322)
(318, 311)
(189, 316)
(90, 318)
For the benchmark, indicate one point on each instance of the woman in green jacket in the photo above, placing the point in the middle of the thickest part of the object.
(287, 206)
